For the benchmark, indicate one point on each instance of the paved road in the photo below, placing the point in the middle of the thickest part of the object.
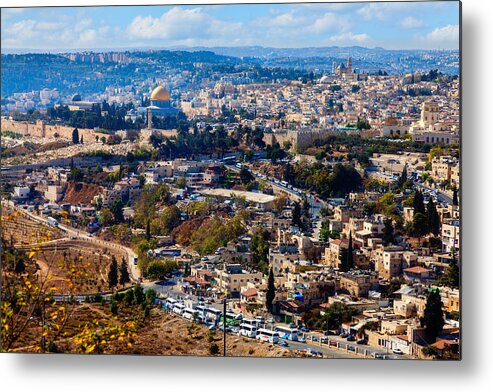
(84, 236)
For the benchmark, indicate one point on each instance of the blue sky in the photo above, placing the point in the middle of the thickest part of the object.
(428, 25)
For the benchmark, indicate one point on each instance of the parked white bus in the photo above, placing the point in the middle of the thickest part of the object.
(248, 330)
(170, 303)
(252, 322)
(287, 333)
(178, 308)
(213, 313)
(190, 314)
(266, 335)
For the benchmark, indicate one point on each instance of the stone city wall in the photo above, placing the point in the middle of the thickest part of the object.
(41, 129)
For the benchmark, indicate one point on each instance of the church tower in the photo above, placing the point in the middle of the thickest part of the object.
(349, 65)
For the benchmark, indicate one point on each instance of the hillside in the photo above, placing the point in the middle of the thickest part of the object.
(81, 193)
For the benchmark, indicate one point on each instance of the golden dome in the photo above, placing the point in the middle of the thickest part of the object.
(160, 94)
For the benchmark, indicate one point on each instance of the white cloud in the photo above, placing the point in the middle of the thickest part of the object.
(329, 22)
(349, 38)
(374, 11)
(411, 23)
(446, 37)
(64, 33)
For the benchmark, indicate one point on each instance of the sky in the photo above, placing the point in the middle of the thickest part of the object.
(398, 25)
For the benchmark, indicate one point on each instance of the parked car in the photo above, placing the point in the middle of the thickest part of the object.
(397, 351)
(351, 348)
(304, 329)
(212, 328)
(361, 341)
(350, 338)
(301, 339)
(283, 343)
(344, 335)
(292, 325)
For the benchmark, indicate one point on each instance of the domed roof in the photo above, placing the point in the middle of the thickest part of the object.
(76, 98)
(160, 94)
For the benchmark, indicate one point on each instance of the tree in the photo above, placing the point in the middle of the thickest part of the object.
(432, 318)
(337, 314)
(124, 275)
(20, 266)
(82, 139)
(418, 203)
(113, 273)
(75, 136)
(432, 217)
(114, 307)
(158, 269)
(139, 294)
(259, 248)
(455, 198)
(350, 254)
(403, 178)
(245, 175)
(296, 218)
(271, 291)
(388, 232)
(419, 225)
(452, 275)
(148, 230)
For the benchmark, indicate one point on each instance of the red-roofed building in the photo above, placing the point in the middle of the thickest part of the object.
(416, 274)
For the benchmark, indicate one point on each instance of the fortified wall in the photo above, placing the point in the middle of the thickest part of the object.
(41, 129)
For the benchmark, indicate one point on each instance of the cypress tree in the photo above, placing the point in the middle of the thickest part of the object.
(388, 232)
(75, 136)
(418, 203)
(403, 178)
(113, 273)
(455, 198)
(148, 230)
(124, 275)
(350, 255)
(432, 218)
(271, 291)
(432, 318)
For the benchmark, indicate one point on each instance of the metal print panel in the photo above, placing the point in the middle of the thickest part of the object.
(262, 180)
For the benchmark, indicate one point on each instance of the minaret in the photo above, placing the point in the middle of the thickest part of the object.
(149, 118)
(349, 65)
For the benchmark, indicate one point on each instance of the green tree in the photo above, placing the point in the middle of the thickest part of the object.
(148, 230)
(388, 232)
(296, 216)
(336, 314)
(455, 198)
(75, 136)
(114, 307)
(139, 294)
(124, 275)
(271, 291)
(418, 203)
(350, 254)
(245, 175)
(419, 225)
(403, 178)
(113, 272)
(432, 217)
(20, 266)
(432, 319)
(259, 248)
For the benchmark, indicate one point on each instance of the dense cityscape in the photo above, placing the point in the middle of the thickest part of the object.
(237, 201)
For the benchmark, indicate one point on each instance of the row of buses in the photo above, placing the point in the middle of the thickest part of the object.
(250, 328)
